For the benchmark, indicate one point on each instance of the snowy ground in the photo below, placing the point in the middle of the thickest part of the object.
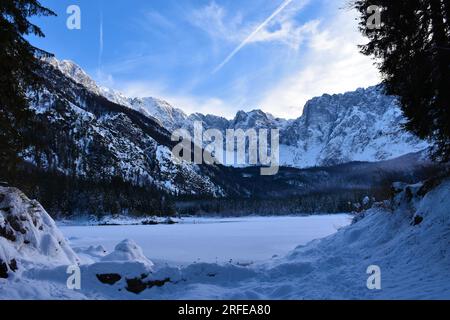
(211, 240)
(407, 239)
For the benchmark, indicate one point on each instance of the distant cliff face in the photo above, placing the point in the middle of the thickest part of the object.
(364, 125)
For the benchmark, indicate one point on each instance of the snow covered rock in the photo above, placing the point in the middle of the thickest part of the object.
(128, 251)
(28, 235)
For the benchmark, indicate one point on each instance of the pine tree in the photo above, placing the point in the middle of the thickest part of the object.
(19, 66)
(412, 50)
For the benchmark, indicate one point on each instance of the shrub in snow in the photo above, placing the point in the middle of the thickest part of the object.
(28, 234)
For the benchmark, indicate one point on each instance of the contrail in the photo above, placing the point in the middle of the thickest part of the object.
(100, 53)
(250, 37)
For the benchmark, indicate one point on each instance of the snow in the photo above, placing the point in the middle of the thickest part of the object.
(412, 254)
(128, 251)
(28, 234)
(213, 240)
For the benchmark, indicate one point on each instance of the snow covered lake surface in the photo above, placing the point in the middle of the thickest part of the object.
(212, 240)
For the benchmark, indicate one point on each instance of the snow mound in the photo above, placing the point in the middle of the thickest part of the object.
(28, 235)
(128, 251)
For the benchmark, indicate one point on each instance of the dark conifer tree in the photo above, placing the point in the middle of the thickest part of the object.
(412, 50)
(19, 69)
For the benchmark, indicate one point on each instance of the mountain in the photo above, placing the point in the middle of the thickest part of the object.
(90, 152)
(363, 125)
(90, 136)
(257, 119)
(95, 150)
(332, 189)
(77, 74)
(168, 116)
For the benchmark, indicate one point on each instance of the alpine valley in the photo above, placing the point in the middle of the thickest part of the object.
(97, 151)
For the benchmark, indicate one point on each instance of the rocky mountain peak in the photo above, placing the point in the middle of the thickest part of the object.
(362, 125)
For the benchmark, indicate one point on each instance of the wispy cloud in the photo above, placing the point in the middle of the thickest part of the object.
(333, 64)
(215, 21)
(309, 54)
(252, 35)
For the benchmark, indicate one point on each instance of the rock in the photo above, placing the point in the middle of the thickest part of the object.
(13, 265)
(137, 285)
(3, 270)
(110, 279)
(7, 233)
(6, 267)
(29, 234)
(429, 185)
(417, 220)
(170, 221)
(149, 222)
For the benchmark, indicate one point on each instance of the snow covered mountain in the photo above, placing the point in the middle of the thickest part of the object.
(364, 125)
(76, 73)
(168, 116)
(83, 134)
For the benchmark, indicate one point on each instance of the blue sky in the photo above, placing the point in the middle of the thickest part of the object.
(215, 56)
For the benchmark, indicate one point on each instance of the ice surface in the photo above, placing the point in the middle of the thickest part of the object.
(213, 240)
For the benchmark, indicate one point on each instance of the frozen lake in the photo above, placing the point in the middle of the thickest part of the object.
(247, 239)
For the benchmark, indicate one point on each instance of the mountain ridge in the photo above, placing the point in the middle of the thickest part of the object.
(361, 125)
